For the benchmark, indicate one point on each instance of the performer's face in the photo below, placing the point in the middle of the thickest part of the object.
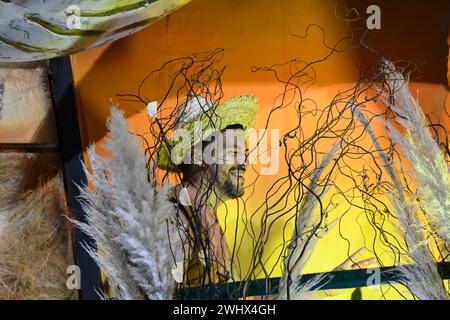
(229, 173)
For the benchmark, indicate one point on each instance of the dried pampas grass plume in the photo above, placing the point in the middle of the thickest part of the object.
(421, 276)
(130, 221)
(303, 239)
(34, 234)
(427, 161)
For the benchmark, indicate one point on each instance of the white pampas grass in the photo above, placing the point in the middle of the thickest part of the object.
(303, 239)
(306, 290)
(427, 161)
(129, 220)
(421, 277)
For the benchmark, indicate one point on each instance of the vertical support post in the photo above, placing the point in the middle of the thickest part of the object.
(70, 141)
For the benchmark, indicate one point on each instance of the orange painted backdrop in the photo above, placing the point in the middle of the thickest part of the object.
(259, 33)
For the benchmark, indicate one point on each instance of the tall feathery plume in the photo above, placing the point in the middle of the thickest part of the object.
(422, 152)
(303, 239)
(130, 221)
(421, 277)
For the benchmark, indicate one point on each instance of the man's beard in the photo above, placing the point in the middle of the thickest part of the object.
(231, 189)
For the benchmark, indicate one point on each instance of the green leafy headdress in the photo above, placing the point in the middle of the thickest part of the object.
(198, 119)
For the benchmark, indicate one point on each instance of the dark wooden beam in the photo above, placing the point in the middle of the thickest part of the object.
(72, 155)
